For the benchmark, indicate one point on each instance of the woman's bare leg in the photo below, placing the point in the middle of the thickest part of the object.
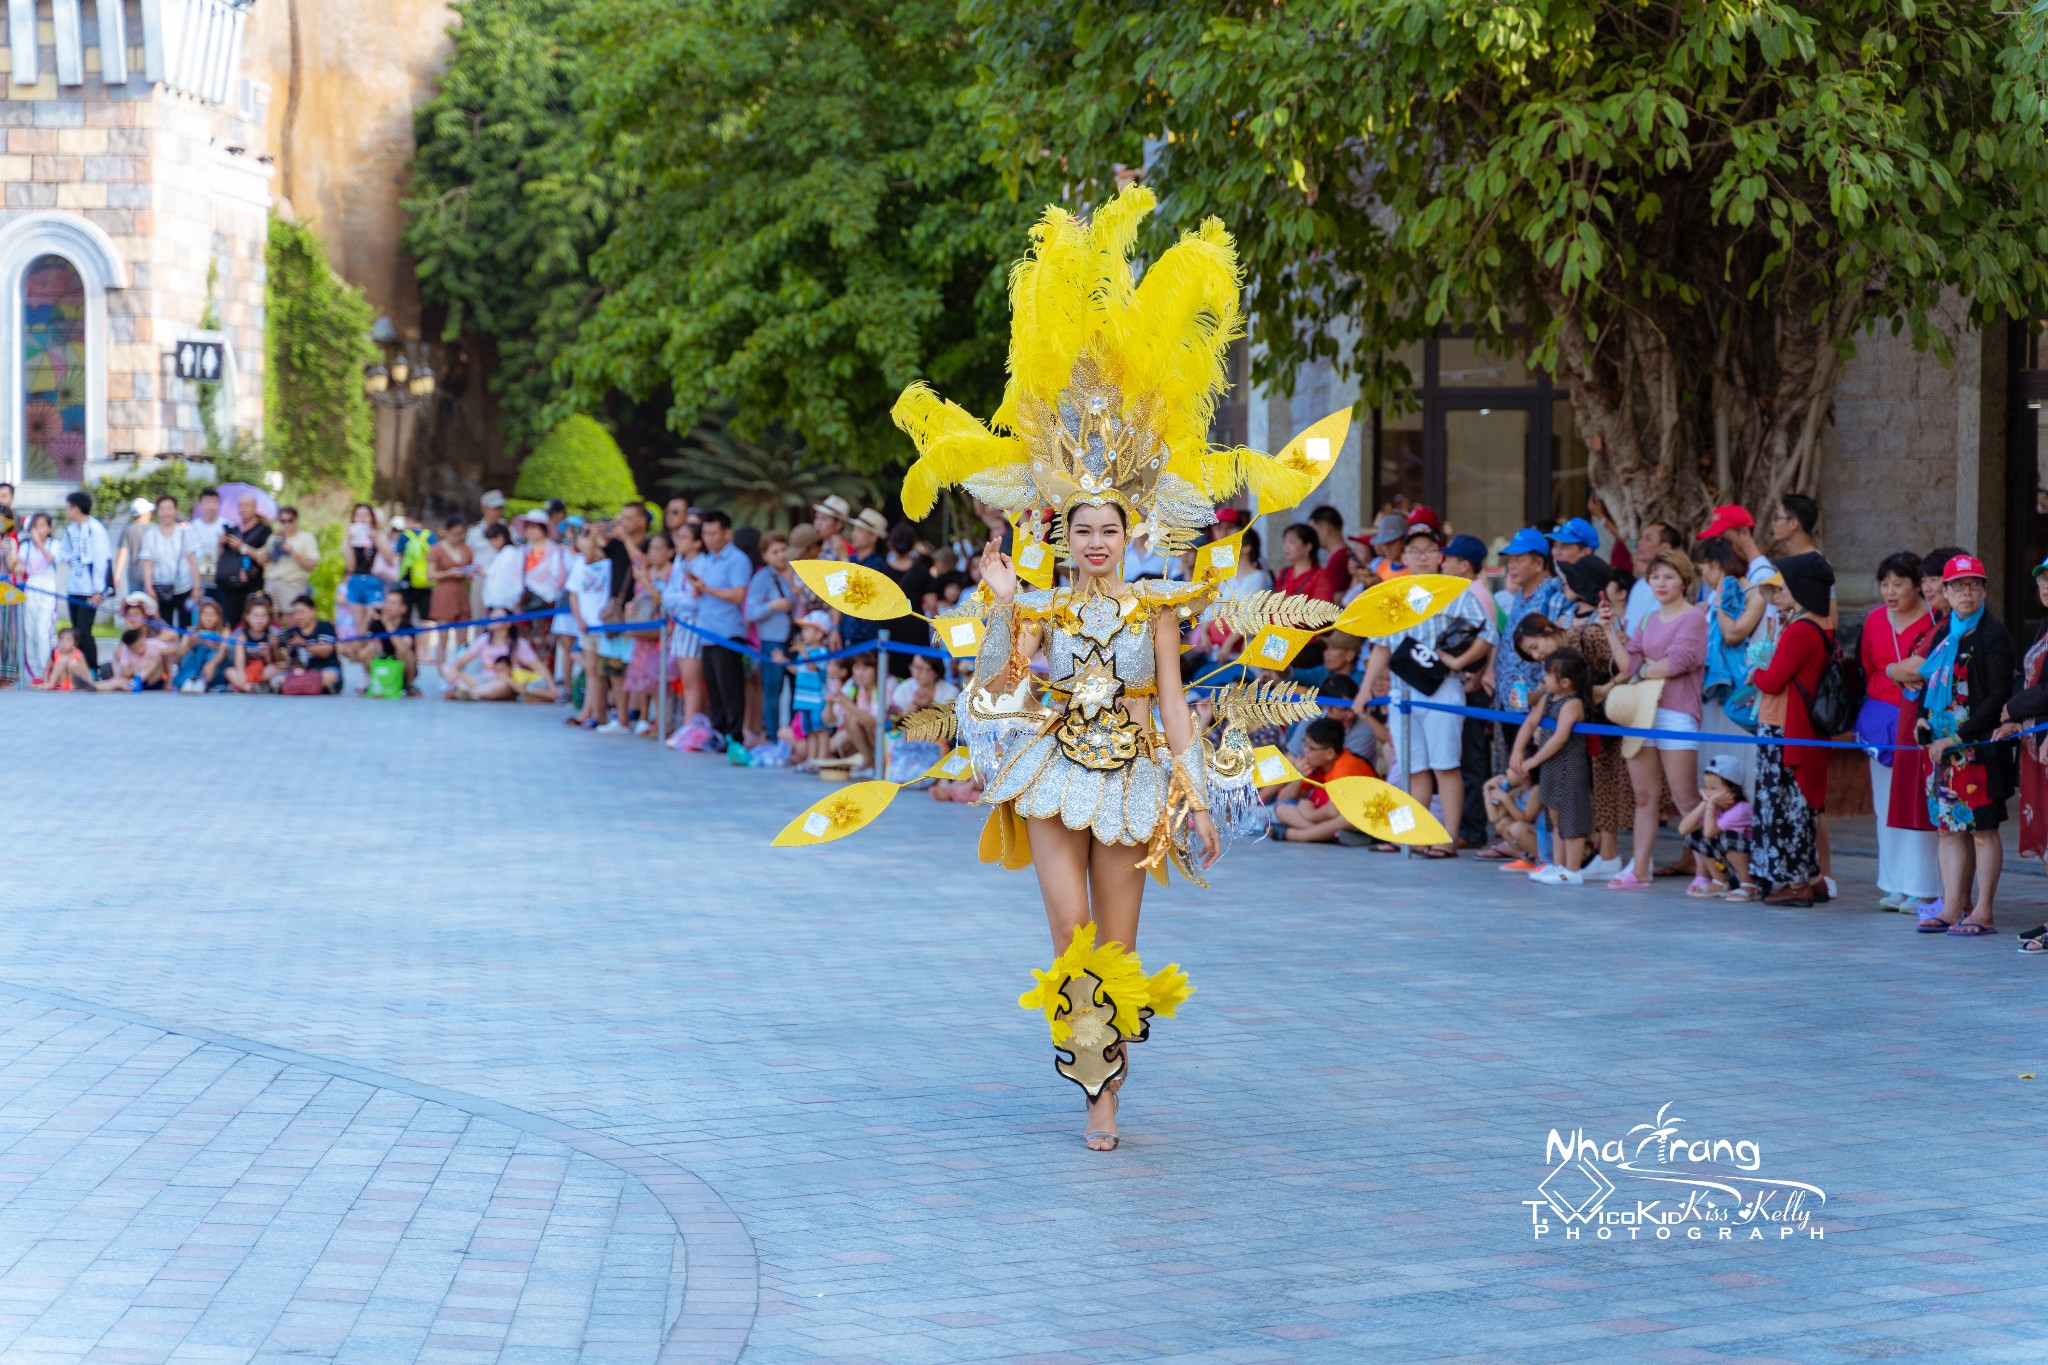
(1647, 780)
(1061, 857)
(1682, 774)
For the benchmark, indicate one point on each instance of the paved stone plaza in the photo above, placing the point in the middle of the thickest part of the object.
(392, 1032)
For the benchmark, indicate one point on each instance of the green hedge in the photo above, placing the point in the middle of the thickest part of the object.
(316, 335)
(579, 463)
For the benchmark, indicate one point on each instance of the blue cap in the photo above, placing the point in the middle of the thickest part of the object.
(1469, 548)
(1578, 531)
(572, 520)
(1527, 541)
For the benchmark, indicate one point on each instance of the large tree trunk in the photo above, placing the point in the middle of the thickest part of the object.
(1678, 422)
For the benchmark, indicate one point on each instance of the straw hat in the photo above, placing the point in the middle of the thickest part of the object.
(1633, 706)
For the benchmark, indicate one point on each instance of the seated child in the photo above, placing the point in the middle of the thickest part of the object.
(66, 671)
(1718, 832)
(1303, 814)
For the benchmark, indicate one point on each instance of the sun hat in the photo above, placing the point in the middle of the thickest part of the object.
(1727, 517)
(494, 499)
(803, 537)
(1633, 706)
(874, 521)
(835, 506)
(1469, 548)
(141, 507)
(1811, 580)
(818, 619)
(1963, 566)
(1527, 541)
(140, 599)
(534, 515)
(1577, 531)
(1587, 578)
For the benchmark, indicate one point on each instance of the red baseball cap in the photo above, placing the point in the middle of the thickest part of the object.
(1426, 516)
(1727, 517)
(1963, 566)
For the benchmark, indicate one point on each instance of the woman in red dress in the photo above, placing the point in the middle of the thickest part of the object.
(1908, 872)
(1792, 780)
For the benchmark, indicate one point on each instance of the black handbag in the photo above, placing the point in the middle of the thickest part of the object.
(1419, 666)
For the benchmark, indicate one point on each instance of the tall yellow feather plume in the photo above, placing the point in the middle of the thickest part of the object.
(952, 445)
(1175, 337)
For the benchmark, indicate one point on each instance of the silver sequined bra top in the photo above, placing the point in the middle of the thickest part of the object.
(1107, 627)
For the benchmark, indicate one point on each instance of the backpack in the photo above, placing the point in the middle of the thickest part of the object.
(1838, 694)
(412, 559)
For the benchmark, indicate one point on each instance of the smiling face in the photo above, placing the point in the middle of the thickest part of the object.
(1096, 538)
(1898, 592)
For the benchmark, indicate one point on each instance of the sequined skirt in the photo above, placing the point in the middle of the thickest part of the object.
(1122, 805)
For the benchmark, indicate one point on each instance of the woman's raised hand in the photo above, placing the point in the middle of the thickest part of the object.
(997, 571)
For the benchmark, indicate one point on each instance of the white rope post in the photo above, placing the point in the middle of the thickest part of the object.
(882, 704)
(1407, 753)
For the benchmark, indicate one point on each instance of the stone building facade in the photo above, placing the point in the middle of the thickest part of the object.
(136, 195)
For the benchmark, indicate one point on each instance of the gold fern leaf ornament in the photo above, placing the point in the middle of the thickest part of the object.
(1248, 613)
(1256, 703)
(1394, 606)
(931, 725)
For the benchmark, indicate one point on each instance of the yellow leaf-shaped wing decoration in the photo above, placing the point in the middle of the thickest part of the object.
(1385, 811)
(1285, 479)
(9, 595)
(961, 635)
(1393, 606)
(954, 767)
(1033, 560)
(838, 815)
(1270, 767)
(854, 589)
(1275, 647)
(1218, 559)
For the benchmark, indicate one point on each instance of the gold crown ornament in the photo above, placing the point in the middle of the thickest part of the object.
(1113, 381)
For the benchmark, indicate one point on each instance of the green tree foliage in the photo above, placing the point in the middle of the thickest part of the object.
(317, 340)
(581, 464)
(766, 483)
(505, 207)
(813, 227)
(1688, 211)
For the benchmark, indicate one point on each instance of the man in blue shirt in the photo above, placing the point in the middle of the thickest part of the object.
(722, 588)
(1530, 587)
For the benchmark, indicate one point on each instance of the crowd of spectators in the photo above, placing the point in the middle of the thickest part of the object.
(677, 626)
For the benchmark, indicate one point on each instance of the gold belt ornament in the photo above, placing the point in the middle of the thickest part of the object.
(1097, 732)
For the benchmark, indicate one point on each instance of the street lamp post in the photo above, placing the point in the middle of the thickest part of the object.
(398, 385)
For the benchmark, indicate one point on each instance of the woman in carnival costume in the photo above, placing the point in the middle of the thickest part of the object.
(1097, 771)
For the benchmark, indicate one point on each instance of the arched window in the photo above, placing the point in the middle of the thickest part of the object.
(53, 369)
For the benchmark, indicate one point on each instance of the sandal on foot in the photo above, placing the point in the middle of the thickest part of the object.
(1971, 929)
(1437, 853)
(1933, 924)
(1747, 892)
(1700, 889)
(1496, 854)
(2034, 945)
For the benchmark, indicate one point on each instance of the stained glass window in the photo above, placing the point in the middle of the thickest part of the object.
(53, 369)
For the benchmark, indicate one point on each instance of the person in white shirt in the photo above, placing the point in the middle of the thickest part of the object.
(503, 581)
(85, 556)
(170, 566)
(481, 547)
(206, 528)
(588, 590)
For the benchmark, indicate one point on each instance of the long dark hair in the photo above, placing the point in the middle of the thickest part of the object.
(1531, 626)
(1570, 665)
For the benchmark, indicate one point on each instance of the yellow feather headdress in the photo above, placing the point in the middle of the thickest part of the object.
(1113, 382)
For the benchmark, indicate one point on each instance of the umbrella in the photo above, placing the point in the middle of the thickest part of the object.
(231, 495)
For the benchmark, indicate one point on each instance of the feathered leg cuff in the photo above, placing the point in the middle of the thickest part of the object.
(1096, 998)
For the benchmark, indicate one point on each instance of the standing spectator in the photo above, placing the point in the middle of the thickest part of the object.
(1302, 575)
(1465, 557)
(169, 565)
(450, 566)
(674, 513)
(1908, 865)
(1563, 765)
(86, 558)
(1328, 525)
(829, 518)
(294, 554)
(12, 666)
(1575, 540)
(1425, 661)
(481, 550)
(910, 571)
(1969, 680)
(1723, 600)
(771, 597)
(807, 732)
(543, 570)
(1671, 645)
(586, 599)
(239, 570)
(1656, 538)
(863, 536)
(312, 664)
(679, 600)
(410, 544)
(32, 563)
(362, 547)
(1909, 764)
(207, 529)
(720, 581)
(2024, 711)
(1792, 782)
(127, 545)
(568, 637)
(502, 583)
(1529, 588)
